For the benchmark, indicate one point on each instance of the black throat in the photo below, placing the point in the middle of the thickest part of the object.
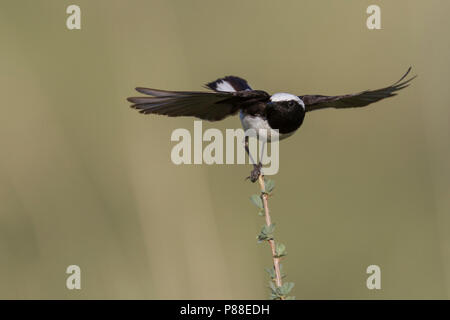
(285, 116)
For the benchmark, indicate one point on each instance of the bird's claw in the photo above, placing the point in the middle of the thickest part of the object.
(256, 172)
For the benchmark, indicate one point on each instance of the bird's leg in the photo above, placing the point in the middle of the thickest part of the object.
(262, 152)
(256, 172)
(248, 151)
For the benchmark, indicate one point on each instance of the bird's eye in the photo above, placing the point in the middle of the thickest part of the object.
(291, 103)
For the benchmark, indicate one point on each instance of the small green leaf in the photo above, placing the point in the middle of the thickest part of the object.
(269, 185)
(280, 250)
(266, 233)
(286, 288)
(279, 293)
(272, 287)
(271, 272)
(274, 296)
(275, 292)
(256, 199)
(283, 275)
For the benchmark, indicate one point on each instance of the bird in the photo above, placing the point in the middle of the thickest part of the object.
(280, 114)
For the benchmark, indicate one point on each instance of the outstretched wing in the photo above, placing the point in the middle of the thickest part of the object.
(211, 106)
(362, 99)
(203, 105)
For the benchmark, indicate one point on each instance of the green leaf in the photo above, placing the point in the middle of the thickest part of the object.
(275, 293)
(273, 287)
(283, 275)
(280, 250)
(274, 296)
(278, 293)
(271, 273)
(266, 233)
(256, 199)
(269, 185)
(286, 288)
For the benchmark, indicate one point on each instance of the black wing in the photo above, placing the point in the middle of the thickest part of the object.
(212, 106)
(362, 99)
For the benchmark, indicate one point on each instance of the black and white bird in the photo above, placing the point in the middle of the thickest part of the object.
(257, 109)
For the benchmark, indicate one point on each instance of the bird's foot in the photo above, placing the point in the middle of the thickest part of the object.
(256, 172)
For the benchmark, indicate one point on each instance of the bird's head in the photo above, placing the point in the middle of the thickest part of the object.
(285, 112)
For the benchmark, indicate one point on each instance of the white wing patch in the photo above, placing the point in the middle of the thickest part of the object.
(224, 86)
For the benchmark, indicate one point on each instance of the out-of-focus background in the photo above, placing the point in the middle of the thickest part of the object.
(86, 180)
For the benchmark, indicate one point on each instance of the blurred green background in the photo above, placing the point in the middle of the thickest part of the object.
(85, 180)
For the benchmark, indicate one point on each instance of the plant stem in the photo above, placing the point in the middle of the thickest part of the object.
(276, 261)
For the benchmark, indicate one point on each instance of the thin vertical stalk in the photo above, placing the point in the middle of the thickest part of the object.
(276, 260)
